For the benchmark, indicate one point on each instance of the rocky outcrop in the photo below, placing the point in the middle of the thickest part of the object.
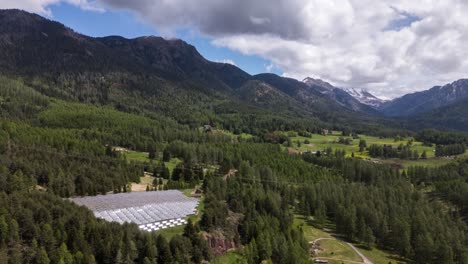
(219, 243)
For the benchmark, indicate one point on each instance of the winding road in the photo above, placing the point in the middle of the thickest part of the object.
(365, 260)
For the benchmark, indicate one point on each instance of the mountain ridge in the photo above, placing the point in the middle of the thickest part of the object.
(425, 101)
(149, 73)
(134, 74)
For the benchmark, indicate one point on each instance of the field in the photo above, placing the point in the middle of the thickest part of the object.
(320, 142)
(230, 258)
(143, 157)
(146, 180)
(337, 250)
(334, 248)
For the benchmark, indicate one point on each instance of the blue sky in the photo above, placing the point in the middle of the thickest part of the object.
(126, 24)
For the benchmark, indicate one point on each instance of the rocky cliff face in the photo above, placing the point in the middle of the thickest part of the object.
(219, 243)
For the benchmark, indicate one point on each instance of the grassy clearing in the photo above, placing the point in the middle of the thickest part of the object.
(320, 142)
(431, 162)
(230, 258)
(145, 181)
(143, 157)
(310, 233)
(378, 256)
(169, 233)
(229, 133)
(339, 251)
(172, 164)
(137, 156)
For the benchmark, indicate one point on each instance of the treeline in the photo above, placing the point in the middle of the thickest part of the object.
(379, 207)
(122, 129)
(390, 216)
(253, 211)
(63, 162)
(354, 170)
(231, 156)
(449, 150)
(188, 102)
(450, 183)
(65, 174)
(388, 152)
(441, 137)
(18, 101)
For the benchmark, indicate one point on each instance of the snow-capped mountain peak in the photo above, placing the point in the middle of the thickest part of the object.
(364, 96)
(325, 86)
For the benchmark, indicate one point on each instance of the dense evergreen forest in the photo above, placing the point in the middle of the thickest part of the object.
(53, 147)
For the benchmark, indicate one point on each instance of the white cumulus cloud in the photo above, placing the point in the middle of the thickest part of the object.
(42, 7)
(389, 47)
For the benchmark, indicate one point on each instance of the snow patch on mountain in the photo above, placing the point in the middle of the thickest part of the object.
(365, 97)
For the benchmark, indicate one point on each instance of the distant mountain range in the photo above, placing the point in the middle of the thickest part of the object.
(164, 76)
(425, 101)
(348, 97)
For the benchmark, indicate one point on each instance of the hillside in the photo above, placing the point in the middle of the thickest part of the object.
(341, 96)
(152, 75)
(451, 117)
(425, 101)
(271, 164)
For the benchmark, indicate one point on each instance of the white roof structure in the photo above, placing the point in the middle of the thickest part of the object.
(151, 211)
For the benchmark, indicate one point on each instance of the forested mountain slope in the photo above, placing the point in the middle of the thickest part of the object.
(149, 75)
(453, 117)
(425, 101)
(68, 103)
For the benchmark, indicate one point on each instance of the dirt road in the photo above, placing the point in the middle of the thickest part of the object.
(365, 260)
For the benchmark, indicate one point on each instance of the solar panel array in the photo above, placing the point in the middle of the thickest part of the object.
(151, 211)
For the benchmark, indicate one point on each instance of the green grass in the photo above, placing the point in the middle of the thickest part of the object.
(378, 256)
(320, 143)
(310, 233)
(143, 157)
(229, 133)
(230, 258)
(431, 162)
(137, 156)
(172, 164)
(337, 250)
(169, 233)
(187, 192)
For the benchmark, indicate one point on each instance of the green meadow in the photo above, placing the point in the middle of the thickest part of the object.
(320, 143)
(335, 249)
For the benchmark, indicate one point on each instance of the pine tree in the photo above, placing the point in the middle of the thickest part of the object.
(42, 257)
(151, 152)
(424, 155)
(164, 252)
(3, 230)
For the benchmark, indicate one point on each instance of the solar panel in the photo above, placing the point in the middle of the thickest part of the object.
(149, 210)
